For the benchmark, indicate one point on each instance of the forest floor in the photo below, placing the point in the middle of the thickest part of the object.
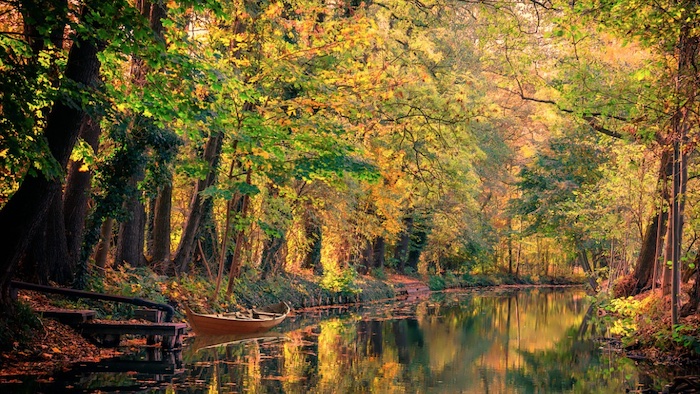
(654, 340)
(53, 347)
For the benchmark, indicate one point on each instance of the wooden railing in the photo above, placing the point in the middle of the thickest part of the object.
(169, 310)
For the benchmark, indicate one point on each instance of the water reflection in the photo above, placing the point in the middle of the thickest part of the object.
(532, 341)
(519, 342)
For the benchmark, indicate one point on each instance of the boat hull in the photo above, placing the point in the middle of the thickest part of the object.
(204, 324)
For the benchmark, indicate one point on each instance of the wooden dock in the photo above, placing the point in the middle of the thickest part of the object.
(68, 316)
(109, 333)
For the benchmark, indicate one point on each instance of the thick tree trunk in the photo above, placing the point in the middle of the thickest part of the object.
(378, 252)
(42, 19)
(77, 193)
(47, 257)
(161, 225)
(643, 274)
(26, 209)
(130, 241)
(241, 211)
(207, 236)
(365, 260)
(188, 242)
(417, 248)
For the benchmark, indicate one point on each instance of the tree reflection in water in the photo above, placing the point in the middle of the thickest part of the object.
(536, 340)
(529, 341)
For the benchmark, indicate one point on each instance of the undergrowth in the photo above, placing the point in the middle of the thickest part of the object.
(449, 280)
(645, 323)
(18, 328)
(248, 290)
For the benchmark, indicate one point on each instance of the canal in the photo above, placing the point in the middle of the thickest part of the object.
(537, 340)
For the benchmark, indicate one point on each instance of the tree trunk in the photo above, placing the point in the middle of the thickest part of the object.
(365, 258)
(416, 250)
(26, 209)
(77, 192)
(643, 274)
(161, 225)
(130, 240)
(207, 236)
(44, 19)
(379, 252)
(188, 242)
(46, 259)
(272, 255)
(242, 212)
(105, 240)
(668, 256)
(694, 293)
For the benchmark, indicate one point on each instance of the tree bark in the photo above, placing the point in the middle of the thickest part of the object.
(130, 241)
(26, 209)
(272, 255)
(643, 274)
(379, 250)
(416, 250)
(77, 192)
(242, 212)
(161, 225)
(130, 245)
(105, 240)
(188, 242)
(694, 293)
(46, 259)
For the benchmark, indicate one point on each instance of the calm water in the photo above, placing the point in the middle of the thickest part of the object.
(528, 341)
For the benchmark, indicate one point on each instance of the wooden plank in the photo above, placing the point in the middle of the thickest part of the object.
(68, 316)
(169, 329)
(152, 315)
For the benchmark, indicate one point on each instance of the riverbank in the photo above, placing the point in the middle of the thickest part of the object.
(641, 329)
(52, 346)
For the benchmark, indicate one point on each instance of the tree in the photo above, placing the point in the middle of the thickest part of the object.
(21, 216)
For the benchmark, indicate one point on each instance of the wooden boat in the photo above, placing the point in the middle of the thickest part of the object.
(250, 321)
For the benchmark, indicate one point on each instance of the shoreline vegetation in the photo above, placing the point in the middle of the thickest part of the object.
(46, 346)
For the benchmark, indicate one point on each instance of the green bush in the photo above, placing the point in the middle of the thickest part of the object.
(478, 280)
(17, 327)
(379, 273)
(342, 282)
(436, 282)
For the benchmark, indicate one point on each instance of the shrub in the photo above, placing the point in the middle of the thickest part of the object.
(341, 282)
(379, 273)
(436, 282)
(17, 328)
